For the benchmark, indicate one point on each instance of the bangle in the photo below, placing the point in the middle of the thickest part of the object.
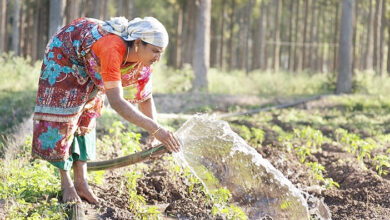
(155, 132)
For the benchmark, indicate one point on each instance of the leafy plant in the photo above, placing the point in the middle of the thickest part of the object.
(381, 163)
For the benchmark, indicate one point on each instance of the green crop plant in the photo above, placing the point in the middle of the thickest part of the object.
(313, 138)
(302, 152)
(349, 141)
(365, 148)
(30, 188)
(318, 169)
(137, 202)
(221, 207)
(381, 163)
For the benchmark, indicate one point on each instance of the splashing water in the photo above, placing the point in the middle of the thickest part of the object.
(220, 158)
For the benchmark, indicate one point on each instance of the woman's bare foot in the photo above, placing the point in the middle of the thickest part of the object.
(86, 193)
(80, 182)
(69, 193)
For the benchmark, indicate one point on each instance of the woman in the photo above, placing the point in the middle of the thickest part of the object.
(83, 61)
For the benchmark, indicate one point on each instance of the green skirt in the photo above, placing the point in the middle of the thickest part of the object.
(83, 148)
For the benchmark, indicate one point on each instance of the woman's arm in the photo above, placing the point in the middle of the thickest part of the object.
(131, 114)
(148, 108)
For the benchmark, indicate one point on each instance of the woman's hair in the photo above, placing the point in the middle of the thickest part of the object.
(131, 43)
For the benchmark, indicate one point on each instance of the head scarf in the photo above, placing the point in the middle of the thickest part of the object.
(147, 29)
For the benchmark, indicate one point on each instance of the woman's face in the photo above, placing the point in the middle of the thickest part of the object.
(149, 54)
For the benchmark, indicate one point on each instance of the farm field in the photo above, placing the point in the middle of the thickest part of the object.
(335, 148)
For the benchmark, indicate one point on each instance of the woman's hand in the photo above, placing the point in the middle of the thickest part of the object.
(168, 139)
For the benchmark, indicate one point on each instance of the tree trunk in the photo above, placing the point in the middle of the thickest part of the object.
(72, 10)
(355, 35)
(296, 58)
(97, 5)
(190, 31)
(15, 28)
(382, 38)
(275, 63)
(312, 31)
(104, 10)
(56, 16)
(368, 53)
(335, 38)
(34, 43)
(344, 79)
(248, 36)
(306, 20)
(222, 57)
(377, 33)
(179, 31)
(202, 48)
(290, 37)
(388, 45)
(231, 37)
(3, 17)
(277, 36)
(22, 30)
(43, 27)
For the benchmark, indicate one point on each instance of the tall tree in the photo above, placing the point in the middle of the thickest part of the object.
(15, 28)
(231, 37)
(377, 35)
(3, 33)
(335, 37)
(277, 35)
(344, 79)
(290, 36)
(179, 32)
(222, 40)
(202, 48)
(296, 56)
(72, 10)
(248, 32)
(258, 42)
(388, 45)
(382, 38)
(305, 23)
(367, 62)
(56, 16)
(312, 31)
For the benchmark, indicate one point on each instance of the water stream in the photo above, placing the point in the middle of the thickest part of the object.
(221, 158)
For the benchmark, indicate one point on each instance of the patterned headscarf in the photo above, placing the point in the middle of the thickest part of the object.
(148, 29)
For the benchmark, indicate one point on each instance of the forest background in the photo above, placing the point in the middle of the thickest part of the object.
(278, 35)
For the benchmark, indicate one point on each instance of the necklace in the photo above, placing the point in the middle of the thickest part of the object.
(127, 55)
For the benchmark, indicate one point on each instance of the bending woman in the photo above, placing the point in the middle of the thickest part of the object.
(84, 61)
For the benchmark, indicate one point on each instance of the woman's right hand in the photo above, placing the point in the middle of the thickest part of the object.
(168, 139)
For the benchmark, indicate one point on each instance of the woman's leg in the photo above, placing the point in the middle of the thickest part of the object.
(69, 193)
(81, 184)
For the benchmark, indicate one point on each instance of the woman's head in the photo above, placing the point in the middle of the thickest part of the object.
(146, 53)
(148, 29)
(147, 35)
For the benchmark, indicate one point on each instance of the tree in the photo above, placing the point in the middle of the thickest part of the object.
(388, 45)
(344, 79)
(56, 16)
(377, 35)
(3, 12)
(277, 35)
(15, 28)
(202, 48)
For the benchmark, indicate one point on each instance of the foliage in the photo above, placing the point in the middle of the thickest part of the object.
(318, 170)
(30, 188)
(382, 164)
